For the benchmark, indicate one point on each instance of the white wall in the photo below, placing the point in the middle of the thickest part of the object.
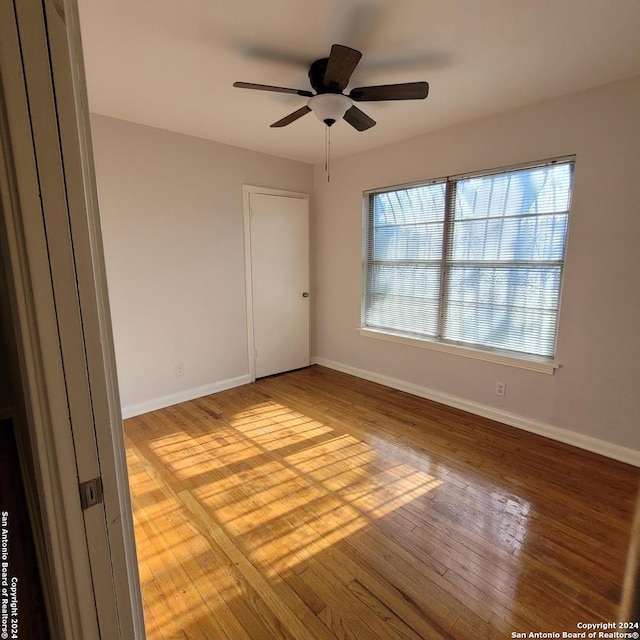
(596, 392)
(171, 209)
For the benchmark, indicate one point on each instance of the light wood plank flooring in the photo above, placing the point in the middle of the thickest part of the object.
(314, 506)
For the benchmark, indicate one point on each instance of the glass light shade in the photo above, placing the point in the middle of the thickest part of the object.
(329, 107)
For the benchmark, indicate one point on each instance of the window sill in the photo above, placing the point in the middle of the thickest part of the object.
(531, 363)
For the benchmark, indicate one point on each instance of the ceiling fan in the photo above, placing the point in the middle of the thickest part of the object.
(329, 77)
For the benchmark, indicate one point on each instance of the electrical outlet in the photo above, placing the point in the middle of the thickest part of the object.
(501, 388)
(180, 369)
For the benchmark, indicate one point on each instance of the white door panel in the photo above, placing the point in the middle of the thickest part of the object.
(280, 278)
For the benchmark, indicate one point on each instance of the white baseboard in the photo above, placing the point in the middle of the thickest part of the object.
(608, 449)
(183, 396)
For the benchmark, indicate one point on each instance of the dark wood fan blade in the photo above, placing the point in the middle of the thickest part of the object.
(292, 117)
(404, 91)
(268, 87)
(358, 119)
(342, 62)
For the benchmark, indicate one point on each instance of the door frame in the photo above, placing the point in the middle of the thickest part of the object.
(55, 268)
(247, 191)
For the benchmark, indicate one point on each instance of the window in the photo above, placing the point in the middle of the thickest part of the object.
(471, 260)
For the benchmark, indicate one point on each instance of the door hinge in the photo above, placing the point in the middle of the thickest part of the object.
(90, 492)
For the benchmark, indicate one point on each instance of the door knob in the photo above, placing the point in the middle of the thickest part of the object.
(305, 294)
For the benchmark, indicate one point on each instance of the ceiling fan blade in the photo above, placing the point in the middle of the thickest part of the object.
(268, 87)
(358, 119)
(292, 117)
(404, 91)
(342, 62)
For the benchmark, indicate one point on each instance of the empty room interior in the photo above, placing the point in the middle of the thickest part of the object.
(376, 381)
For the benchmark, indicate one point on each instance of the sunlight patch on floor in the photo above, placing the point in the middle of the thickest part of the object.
(288, 486)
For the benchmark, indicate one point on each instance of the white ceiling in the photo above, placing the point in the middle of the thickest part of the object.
(171, 63)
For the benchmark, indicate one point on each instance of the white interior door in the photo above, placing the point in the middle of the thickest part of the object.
(280, 282)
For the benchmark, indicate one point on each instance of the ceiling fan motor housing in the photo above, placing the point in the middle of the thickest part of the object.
(317, 72)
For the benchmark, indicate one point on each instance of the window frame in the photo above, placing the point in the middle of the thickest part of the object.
(543, 364)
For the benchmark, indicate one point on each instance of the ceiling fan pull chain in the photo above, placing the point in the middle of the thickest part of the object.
(328, 154)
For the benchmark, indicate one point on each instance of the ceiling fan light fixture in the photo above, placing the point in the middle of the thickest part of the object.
(329, 107)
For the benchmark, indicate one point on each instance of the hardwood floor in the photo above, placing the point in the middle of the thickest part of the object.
(315, 505)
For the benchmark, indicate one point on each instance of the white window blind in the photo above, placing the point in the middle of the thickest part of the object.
(474, 260)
